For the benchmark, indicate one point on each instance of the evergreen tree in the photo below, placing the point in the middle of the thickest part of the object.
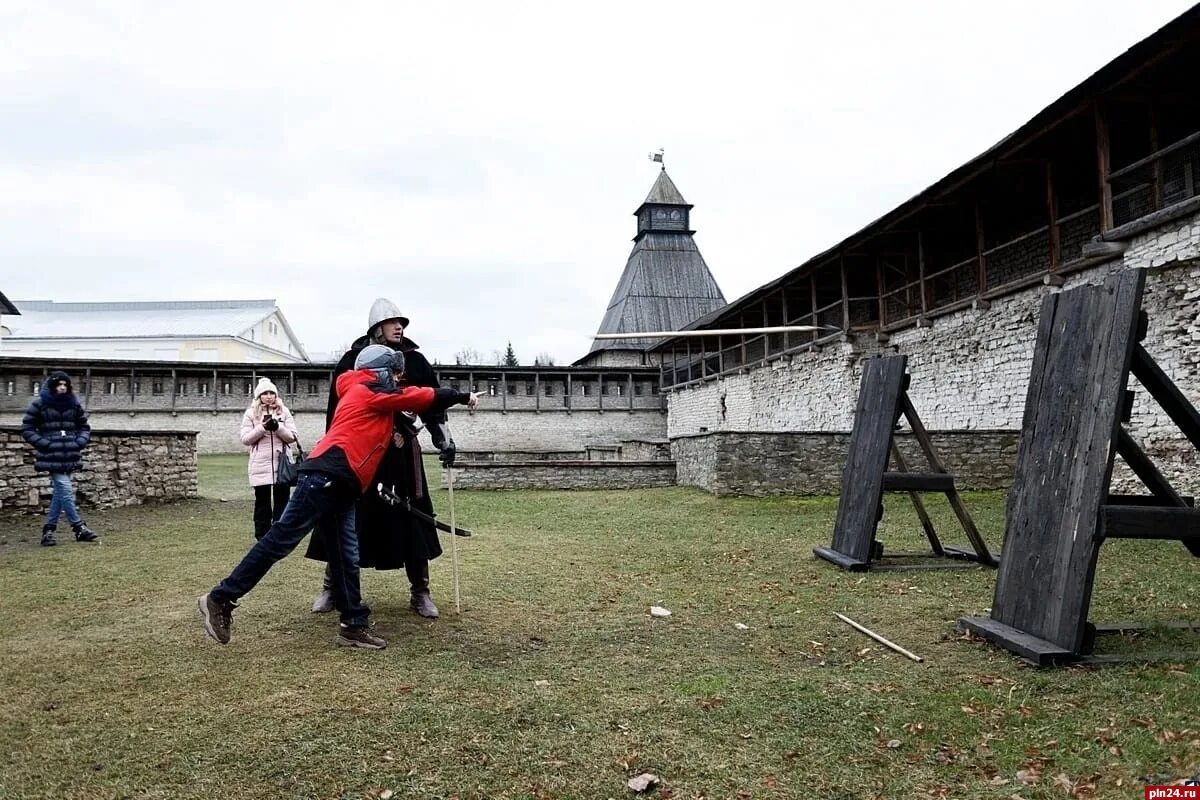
(510, 358)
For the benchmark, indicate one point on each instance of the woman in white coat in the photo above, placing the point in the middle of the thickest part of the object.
(267, 429)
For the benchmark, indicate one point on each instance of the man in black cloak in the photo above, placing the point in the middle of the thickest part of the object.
(388, 537)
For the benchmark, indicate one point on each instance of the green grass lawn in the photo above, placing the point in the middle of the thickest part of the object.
(554, 681)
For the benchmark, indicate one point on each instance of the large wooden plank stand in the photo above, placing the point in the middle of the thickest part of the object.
(1059, 509)
(882, 399)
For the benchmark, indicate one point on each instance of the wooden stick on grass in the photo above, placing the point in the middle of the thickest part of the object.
(877, 637)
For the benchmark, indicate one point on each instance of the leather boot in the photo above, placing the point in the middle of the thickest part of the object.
(323, 603)
(422, 601)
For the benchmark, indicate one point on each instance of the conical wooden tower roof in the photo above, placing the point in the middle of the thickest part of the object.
(666, 283)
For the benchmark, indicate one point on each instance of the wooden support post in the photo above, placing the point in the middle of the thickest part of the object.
(1158, 164)
(879, 292)
(87, 384)
(721, 354)
(629, 383)
(812, 285)
(1144, 468)
(132, 385)
(537, 391)
(845, 294)
(921, 272)
(567, 389)
(926, 522)
(174, 389)
(216, 392)
(935, 464)
(1167, 394)
(504, 391)
(1103, 167)
(1052, 217)
(981, 259)
(600, 389)
(787, 335)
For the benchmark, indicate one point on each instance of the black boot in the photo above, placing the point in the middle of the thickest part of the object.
(48, 536)
(422, 601)
(83, 533)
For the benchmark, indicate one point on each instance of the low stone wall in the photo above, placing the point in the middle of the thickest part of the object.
(516, 456)
(120, 468)
(760, 464)
(542, 474)
(646, 449)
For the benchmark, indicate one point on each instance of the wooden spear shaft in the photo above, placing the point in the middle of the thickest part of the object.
(877, 637)
(453, 538)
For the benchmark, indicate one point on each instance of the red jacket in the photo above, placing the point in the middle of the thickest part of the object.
(362, 425)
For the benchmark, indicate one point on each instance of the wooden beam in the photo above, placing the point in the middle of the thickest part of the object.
(926, 523)
(1151, 522)
(956, 504)
(1158, 164)
(918, 482)
(981, 259)
(1103, 168)
(1166, 394)
(1052, 217)
(845, 295)
(921, 272)
(879, 291)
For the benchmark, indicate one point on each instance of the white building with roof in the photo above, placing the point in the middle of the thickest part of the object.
(6, 307)
(211, 331)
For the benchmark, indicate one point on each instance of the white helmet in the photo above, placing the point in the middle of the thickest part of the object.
(381, 311)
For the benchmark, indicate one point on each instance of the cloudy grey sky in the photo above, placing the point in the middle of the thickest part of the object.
(479, 162)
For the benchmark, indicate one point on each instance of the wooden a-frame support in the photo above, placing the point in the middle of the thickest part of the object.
(882, 400)
(1059, 509)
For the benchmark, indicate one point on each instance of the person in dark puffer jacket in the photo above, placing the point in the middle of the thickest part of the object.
(57, 427)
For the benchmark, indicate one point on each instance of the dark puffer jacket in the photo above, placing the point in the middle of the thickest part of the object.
(57, 427)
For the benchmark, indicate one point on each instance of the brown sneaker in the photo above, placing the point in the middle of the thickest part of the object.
(218, 617)
(359, 637)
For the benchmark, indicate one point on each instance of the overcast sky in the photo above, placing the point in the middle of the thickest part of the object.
(479, 163)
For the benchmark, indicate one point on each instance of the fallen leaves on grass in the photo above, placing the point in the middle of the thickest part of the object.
(1084, 788)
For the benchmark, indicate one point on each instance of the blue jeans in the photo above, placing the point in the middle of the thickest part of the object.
(316, 501)
(62, 500)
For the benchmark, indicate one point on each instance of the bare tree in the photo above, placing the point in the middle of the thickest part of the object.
(468, 355)
(543, 360)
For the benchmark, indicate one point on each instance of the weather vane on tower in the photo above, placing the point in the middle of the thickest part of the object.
(658, 157)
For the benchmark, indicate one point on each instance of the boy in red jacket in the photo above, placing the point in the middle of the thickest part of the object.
(336, 472)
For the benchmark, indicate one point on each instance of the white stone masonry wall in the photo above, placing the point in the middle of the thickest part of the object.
(970, 369)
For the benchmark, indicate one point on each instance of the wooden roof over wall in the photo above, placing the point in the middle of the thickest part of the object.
(1182, 32)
